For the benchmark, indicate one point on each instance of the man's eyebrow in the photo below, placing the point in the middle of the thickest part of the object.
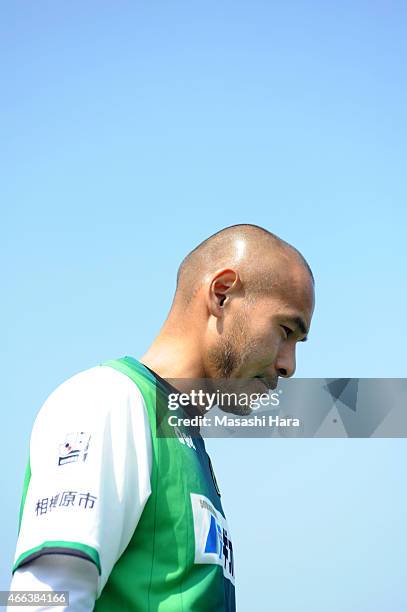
(299, 323)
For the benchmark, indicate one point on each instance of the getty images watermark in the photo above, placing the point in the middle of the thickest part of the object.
(298, 407)
(233, 402)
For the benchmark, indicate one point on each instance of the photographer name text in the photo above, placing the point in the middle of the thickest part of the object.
(225, 421)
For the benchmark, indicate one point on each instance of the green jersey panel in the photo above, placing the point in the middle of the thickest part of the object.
(180, 557)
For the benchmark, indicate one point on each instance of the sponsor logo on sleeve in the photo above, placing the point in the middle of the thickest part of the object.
(213, 543)
(74, 448)
(63, 500)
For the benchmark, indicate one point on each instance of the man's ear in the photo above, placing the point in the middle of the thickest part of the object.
(223, 284)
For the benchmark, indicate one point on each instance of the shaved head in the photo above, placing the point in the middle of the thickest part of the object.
(259, 256)
(244, 299)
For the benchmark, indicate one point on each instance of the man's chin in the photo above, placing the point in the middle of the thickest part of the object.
(238, 410)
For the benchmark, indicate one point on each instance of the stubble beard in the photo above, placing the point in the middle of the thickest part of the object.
(227, 357)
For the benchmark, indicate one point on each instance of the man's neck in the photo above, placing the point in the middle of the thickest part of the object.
(174, 357)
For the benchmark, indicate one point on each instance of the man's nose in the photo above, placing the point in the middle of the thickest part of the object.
(285, 363)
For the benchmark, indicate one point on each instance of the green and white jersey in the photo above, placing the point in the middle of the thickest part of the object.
(144, 509)
(88, 476)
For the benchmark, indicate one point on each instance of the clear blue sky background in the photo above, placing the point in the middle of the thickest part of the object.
(130, 132)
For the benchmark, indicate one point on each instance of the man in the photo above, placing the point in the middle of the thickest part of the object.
(124, 519)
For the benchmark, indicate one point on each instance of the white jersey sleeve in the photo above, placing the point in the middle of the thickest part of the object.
(90, 468)
(58, 573)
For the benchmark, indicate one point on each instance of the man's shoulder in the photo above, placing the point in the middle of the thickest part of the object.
(99, 379)
(98, 389)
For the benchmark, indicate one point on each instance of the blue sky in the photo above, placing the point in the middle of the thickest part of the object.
(131, 131)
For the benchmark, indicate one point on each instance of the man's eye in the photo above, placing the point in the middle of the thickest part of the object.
(287, 330)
